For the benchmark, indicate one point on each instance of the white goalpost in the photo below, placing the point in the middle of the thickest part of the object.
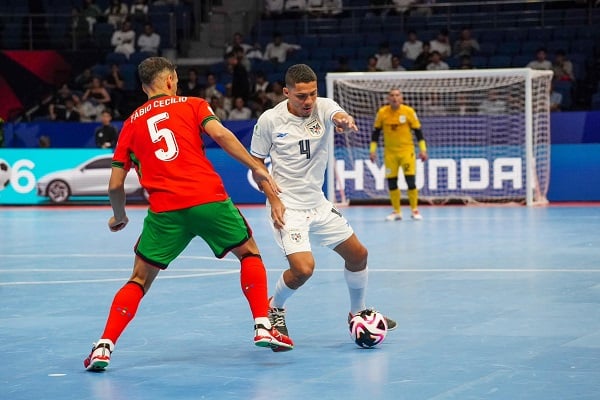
(487, 133)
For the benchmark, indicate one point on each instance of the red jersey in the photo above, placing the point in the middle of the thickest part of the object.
(162, 139)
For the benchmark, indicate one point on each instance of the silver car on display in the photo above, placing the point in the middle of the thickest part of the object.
(90, 178)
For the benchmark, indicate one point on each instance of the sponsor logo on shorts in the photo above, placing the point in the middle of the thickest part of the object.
(296, 237)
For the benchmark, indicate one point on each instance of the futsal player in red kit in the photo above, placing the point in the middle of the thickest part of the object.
(162, 140)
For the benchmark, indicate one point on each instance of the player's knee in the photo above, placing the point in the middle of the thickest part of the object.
(301, 272)
(357, 259)
(392, 183)
(411, 182)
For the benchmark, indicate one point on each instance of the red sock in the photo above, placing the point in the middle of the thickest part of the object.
(253, 278)
(122, 310)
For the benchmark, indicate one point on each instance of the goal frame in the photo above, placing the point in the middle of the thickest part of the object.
(527, 73)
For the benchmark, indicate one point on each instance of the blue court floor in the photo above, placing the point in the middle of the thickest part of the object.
(491, 302)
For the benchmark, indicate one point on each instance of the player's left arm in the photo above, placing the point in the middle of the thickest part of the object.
(422, 144)
(116, 193)
(344, 122)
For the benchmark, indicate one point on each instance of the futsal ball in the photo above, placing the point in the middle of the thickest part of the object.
(368, 328)
(5, 172)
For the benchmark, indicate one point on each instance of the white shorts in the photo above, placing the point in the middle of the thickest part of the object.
(325, 224)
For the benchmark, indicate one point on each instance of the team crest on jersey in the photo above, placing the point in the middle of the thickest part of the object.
(315, 128)
(296, 237)
(402, 119)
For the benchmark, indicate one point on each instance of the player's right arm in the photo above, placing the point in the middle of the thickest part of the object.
(277, 206)
(116, 193)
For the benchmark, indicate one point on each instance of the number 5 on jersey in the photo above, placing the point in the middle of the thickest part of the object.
(163, 133)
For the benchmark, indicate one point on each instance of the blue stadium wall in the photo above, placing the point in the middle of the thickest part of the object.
(574, 175)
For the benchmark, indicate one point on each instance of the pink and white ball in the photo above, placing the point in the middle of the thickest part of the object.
(368, 328)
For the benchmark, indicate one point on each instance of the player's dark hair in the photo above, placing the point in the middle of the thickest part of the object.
(151, 67)
(299, 73)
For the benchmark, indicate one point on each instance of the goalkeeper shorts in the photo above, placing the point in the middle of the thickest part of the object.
(394, 160)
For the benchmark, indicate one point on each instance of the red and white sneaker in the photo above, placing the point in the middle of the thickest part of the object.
(264, 337)
(99, 358)
(416, 215)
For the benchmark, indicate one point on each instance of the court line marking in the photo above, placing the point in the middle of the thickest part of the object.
(61, 282)
(229, 272)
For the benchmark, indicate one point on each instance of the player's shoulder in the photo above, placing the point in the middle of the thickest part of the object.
(406, 108)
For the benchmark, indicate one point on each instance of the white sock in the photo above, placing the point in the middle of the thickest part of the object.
(357, 288)
(264, 321)
(282, 293)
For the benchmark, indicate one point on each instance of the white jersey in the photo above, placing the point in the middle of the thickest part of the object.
(298, 148)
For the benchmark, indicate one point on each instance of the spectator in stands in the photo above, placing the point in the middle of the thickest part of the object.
(540, 61)
(402, 7)
(94, 101)
(191, 87)
(461, 106)
(237, 41)
(432, 106)
(465, 62)
(276, 94)
(106, 135)
(58, 103)
(149, 41)
(322, 8)
(260, 103)
(90, 11)
(273, 8)
(68, 113)
(240, 111)
(116, 13)
(441, 44)
(240, 54)
(562, 67)
(294, 8)
(412, 47)
(555, 99)
(213, 87)
(139, 11)
(436, 63)
(217, 106)
(422, 8)
(384, 57)
(465, 45)
(277, 50)
(372, 64)
(255, 53)
(124, 40)
(79, 29)
(343, 65)
(423, 58)
(397, 64)
(83, 81)
(115, 84)
(240, 79)
(493, 104)
(261, 84)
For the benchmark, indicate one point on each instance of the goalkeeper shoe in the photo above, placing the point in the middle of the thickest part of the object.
(99, 358)
(416, 215)
(391, 324)
(394, 217)
(272, 338)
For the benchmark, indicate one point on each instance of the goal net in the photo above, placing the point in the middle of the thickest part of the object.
(487, 134)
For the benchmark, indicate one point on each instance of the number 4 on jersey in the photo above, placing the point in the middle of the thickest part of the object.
(304, 147)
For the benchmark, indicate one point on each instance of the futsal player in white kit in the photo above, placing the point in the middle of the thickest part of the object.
(295, 135)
